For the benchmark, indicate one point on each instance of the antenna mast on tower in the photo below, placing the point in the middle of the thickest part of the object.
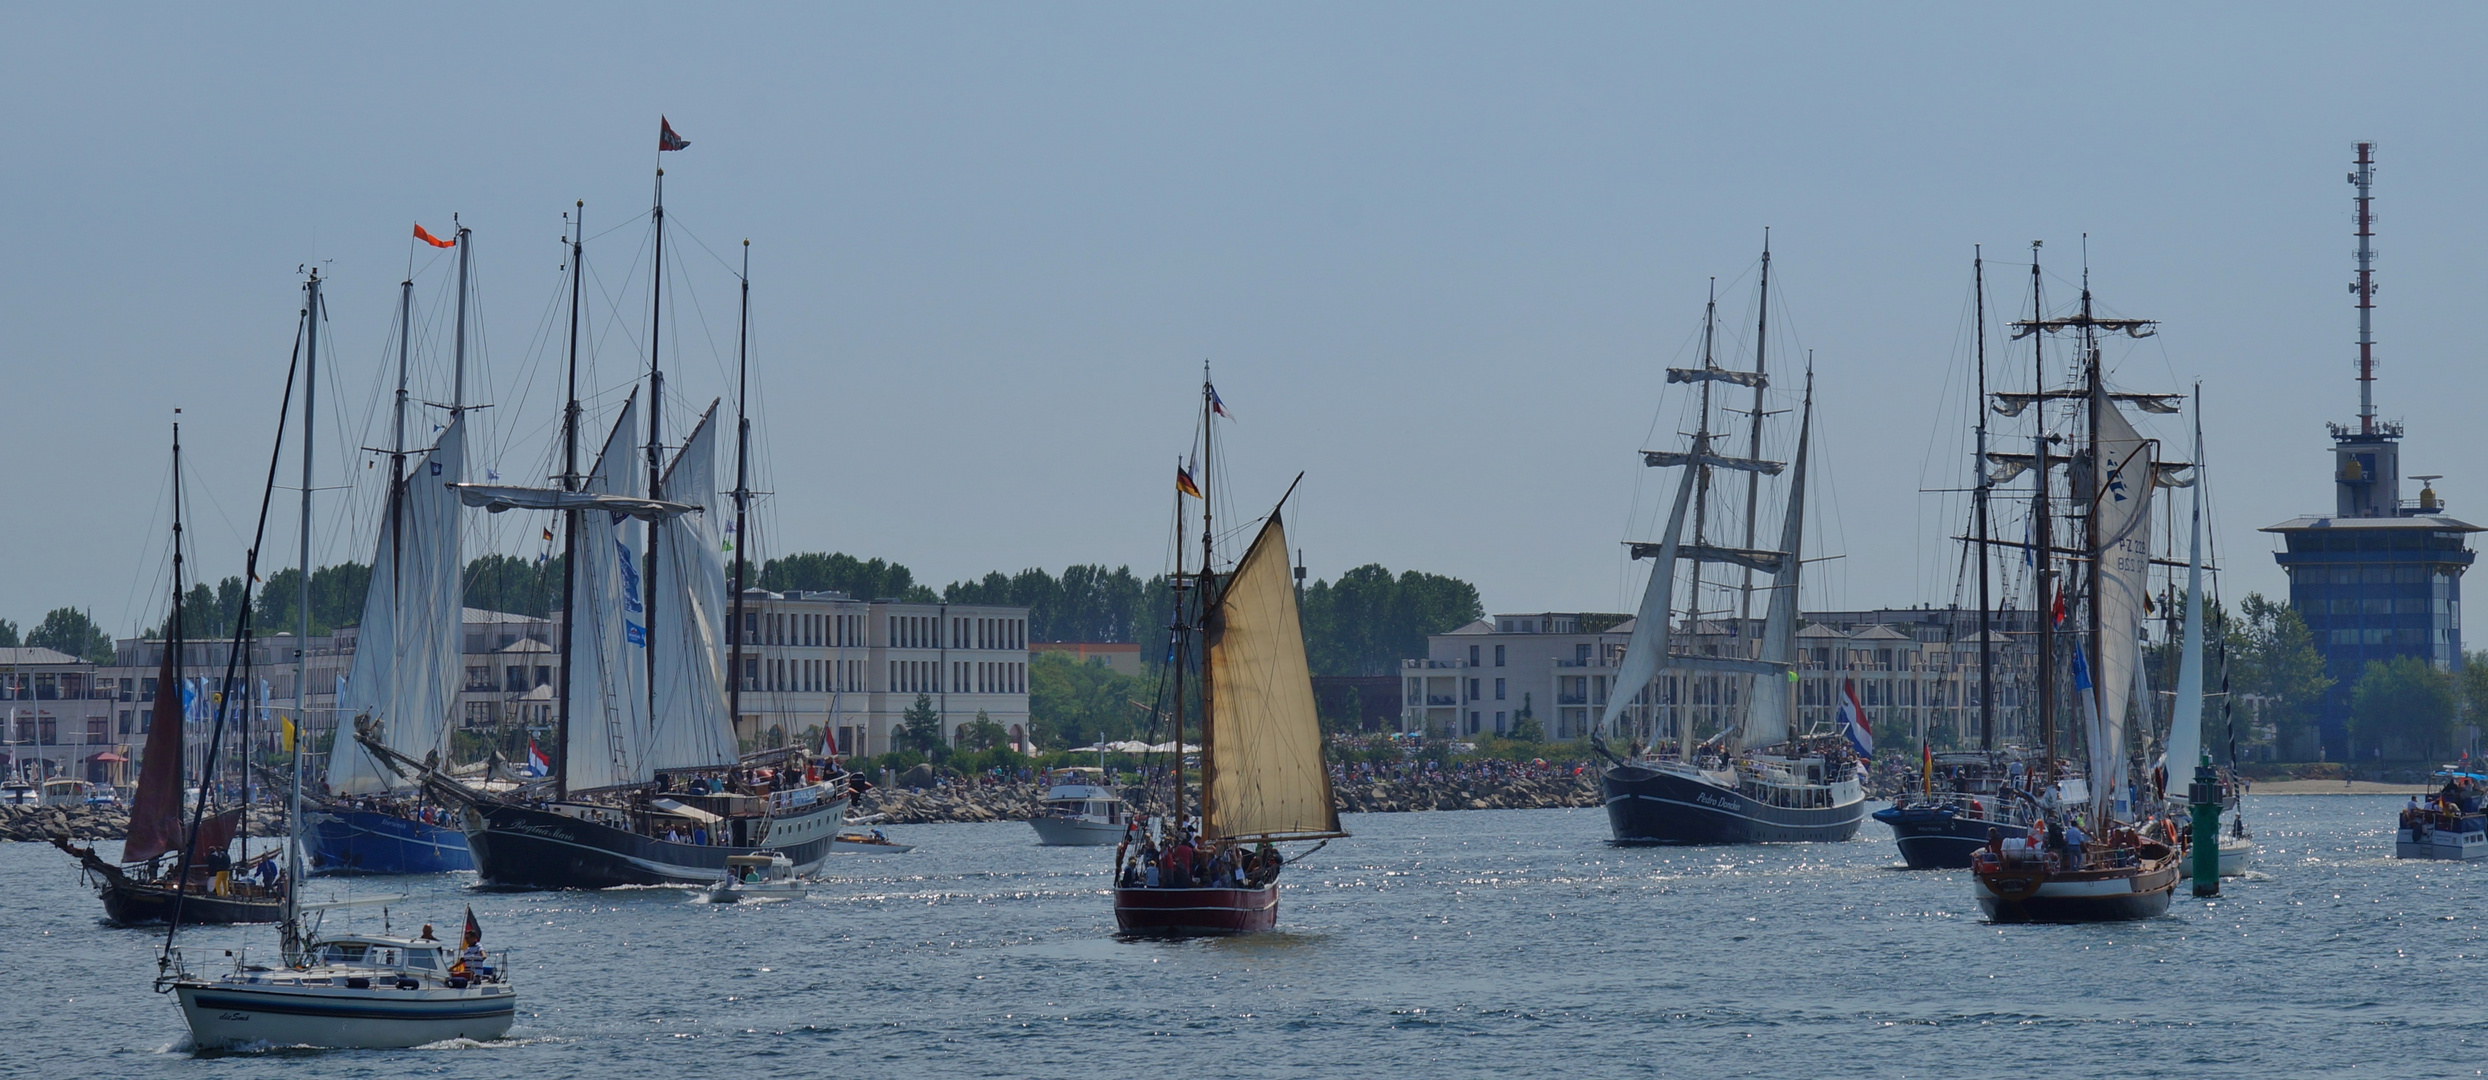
(2365, 287)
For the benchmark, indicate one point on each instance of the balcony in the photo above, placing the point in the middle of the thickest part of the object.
(1572, 699)
(1441, 699)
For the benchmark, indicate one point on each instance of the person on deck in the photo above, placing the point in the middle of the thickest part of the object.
(2073, 846)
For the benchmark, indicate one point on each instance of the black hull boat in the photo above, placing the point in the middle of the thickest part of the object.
(565, 846)
(1937, 837)
(2022, 887)
(131, 900)
(1669, 804)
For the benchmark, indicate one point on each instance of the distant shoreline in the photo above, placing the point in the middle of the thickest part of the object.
(2336, 787)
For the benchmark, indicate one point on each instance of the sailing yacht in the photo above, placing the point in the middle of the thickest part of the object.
(203, 883)
(406, 667)
(1758, 780)
(2184, 751)
(1239, 641)
(2132, 859)
(649, 787)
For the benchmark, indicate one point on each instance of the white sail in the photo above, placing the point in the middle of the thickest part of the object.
(2121, 483)
(406, 653)
(1646, 650)
(690, 728)
(1770, 707)
(2185, 718)
(1262, 774)
(609, 630)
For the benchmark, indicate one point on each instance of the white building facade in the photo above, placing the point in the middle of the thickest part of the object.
(819, 663)
(1915, 671)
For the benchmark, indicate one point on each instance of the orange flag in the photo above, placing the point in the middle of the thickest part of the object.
(431, 239)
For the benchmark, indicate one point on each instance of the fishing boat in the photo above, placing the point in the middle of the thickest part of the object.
(205, 880)
(1756, 779)
(1238, 643)
(649, 787)
(761, 875)
(2111, 858)
(403, 682)
(1081, 810)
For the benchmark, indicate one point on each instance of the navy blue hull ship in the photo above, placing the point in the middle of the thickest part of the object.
(596, 846)
(1667, 803)
(1943, 823)
(1936, 836)
(346, 840)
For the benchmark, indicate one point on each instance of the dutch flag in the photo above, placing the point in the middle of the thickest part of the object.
(1853, 721)
(537, 763)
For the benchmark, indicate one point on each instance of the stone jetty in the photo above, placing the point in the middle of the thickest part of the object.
(38, 823)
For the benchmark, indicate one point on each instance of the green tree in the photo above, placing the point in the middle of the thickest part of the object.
(2473, 683)
(518, 586)
(863, 579)
(2403, 706)
(1525, 726)
(336, 598)
(2273, 656)
(920, 729)
(982, 733)
(8, 634)
(72, 631)
(1073, 704)
(1367, 621)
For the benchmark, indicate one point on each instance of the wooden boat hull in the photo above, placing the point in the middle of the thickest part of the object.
(342, 841)
(523, 847)
(133, 903)
(2027, 892)
(1195, 912)
(223, 1015)
(1658, 806)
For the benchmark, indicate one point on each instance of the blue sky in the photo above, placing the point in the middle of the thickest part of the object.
(1438, 253)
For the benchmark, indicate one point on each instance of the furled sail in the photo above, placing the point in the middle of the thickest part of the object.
(1646, 649)
(1262, 774)
(609, 630)
(1769, 707)
(406, 652)
(690, 728)
(2120, 496)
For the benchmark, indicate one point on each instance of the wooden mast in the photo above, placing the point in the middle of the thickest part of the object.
(1701, 506)
(570, 518)
(1986, 647)
(2043, 538)
(742, 497)
(656, 425)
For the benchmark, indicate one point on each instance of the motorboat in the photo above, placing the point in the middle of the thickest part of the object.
(1081, 811)
(354, 991)
(866, 843)
(761, 875)
(2447, 825)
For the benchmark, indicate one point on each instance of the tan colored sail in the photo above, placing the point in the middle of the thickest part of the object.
(1261, 745)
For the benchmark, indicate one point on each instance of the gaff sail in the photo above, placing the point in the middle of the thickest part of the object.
(2122, 479)
(406, 652)
(1262, 773)
(1771, 706)
(609, 630)
(690, 728)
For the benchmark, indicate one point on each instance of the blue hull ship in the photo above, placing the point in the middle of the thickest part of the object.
(347, 841)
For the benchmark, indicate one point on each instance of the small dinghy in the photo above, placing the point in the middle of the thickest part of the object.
(866, 843)
(761, 875)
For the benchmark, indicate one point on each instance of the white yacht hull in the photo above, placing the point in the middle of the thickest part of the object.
(226, 1014)
(2237, 855)
(2461, 845)
(1073, 832)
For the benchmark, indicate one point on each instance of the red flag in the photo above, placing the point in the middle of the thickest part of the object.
(428, 238)
(666, 139)
(2059, 613)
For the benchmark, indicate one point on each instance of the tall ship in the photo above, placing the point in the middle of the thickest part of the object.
(1756, 779)
(403, 682)
(1238, 649)
(648, 785)
(2110, 856)
(1964, 794)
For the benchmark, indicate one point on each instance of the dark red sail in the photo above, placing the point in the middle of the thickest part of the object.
(155, 813)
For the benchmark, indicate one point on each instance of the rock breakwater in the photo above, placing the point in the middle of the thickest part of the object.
(40, 823)
(963, 802)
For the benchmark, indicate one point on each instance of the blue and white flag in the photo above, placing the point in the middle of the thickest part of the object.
(1852, 721)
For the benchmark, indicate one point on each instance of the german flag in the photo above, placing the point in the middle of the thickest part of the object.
(1184, 484)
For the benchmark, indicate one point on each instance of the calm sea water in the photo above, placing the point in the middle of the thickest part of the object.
(1486, 943)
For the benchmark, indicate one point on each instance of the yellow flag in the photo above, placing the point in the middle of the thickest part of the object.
(288, 726)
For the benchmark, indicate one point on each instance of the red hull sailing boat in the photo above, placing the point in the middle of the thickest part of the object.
(1263, 777)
